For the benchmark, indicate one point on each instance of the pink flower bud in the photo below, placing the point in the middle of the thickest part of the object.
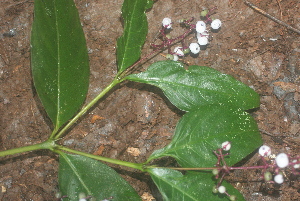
(226, 146)
(264, 150)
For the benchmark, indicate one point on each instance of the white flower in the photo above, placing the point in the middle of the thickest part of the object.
(204, 34)
(200, 26)
(202, 41)
(222, 189)
(264, 150)
(178, 51)
(282, 160)
(226, 146)
(195, 48)
(167, 22)
(175, 57)
(278, 179)
(296, 166)
(216, 24)
(82, 199)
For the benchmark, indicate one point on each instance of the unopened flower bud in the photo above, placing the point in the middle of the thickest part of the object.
(182, 20)
(58, 195)
(282, 160)
(215, 189)
(268, 176)
(186, 51)
(264, 150)
(195, 48)
(92, 199)
(200, 26)
(167, 22)
(81, 195)
(215, 172)
(233, 198)
(168, 36)
(204, 13)
(170, 56)
(216, 24)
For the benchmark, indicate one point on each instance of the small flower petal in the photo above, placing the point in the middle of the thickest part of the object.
(178, 51)
(279, 179)
(167, 22)
(202, 41)
(175, 57)
(264, 150)
(200, 26)
(195, 48)
(222, 189)
(282, 160)
(216, 24)
(296, 166)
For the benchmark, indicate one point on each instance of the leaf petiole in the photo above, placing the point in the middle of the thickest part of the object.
(86, 108)
(101, 158)
(49, 144)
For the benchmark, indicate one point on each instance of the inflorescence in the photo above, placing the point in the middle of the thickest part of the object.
(281, 161)
(202, 35)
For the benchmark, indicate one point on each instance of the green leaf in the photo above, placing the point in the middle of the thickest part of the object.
(59, 59)
(200, 132)
(149, 4)
(82, 174)
(197, 86)
(193, 186)
(135, 31)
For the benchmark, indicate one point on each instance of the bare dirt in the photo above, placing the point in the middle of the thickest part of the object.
(250, 47)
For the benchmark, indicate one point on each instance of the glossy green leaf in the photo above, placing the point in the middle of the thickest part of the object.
(135, 31)
(197, 86)
(59, 59)
(83, 174)
(193, 186)
(149, 4)
(201, 131)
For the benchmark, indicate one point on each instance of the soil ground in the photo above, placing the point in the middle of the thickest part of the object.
(250, 47)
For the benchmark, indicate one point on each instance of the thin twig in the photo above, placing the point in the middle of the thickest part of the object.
(271, 17)
(278, 1)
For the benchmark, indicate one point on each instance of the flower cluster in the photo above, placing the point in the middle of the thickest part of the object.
(282, 160)
(202, 35)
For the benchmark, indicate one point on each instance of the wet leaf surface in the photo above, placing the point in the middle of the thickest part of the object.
(59, 59)
(82, 174)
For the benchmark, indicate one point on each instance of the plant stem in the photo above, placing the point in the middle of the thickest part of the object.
(49, 144)
(200, 168)
(101, 158)
(87, 107)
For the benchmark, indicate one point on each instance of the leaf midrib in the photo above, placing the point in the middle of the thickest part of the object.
(58, 69)
(172, 185)
(76, 172)
(129, 34)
